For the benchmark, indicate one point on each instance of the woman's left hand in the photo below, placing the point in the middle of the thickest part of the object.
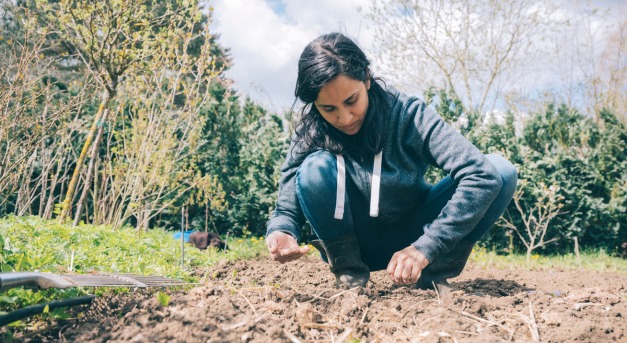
(406, 265)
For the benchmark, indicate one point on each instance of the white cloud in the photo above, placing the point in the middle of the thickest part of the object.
(265, 45)
(266, 38)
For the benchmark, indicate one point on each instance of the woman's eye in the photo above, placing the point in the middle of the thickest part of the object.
(351, 101)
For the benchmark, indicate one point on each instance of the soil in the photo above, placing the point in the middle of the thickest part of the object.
(263, 301)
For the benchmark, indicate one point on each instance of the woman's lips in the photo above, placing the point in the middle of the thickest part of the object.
(351, 127)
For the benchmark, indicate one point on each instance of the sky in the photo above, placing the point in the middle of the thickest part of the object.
(266, 37)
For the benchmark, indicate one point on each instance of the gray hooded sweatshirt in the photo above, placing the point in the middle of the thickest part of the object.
(417, 137)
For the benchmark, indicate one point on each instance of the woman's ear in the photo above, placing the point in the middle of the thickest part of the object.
(367, 79)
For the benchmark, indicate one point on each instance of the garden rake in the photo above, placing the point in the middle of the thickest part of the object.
(38, 280)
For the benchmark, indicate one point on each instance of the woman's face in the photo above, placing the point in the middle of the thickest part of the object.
(343, 102)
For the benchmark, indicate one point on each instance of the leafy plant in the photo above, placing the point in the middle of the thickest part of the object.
(163, 299)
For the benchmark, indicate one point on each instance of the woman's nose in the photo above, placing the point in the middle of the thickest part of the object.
(345, 117)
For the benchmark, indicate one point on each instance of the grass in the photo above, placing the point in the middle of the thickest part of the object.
(597, 260)
(34, 244)
(31, 243)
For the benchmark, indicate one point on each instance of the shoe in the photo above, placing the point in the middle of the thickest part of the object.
(344, 259)
(445, 267)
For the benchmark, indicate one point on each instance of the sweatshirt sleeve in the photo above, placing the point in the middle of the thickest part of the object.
(288, 216)
(478, 181)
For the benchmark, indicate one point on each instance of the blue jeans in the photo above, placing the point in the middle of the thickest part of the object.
(316, 190)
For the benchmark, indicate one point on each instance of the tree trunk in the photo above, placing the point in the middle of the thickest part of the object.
(95, 193)
(66, 205)
(90, 170)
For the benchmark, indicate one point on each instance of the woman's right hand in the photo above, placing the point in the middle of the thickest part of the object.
(284, 248)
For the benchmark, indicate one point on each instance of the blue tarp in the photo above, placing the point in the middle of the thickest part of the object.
(177, 235)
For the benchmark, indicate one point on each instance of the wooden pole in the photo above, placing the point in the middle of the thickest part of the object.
(183, 237)
(577, 252)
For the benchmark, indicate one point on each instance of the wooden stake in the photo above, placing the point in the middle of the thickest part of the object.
(577, 252)
(183, 237)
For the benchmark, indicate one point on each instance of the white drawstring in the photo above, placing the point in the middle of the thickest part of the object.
(341, 188)
(375, 185)
(374, 190)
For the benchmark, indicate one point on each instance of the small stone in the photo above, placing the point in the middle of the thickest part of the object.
(138, 338)
(305, 313)
(314, 333)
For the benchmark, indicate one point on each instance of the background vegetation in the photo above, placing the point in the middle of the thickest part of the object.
(34, 244)
(118, 113)
(118, 125)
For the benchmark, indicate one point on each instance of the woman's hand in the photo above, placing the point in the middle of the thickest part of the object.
(283, 247)
(406, 265)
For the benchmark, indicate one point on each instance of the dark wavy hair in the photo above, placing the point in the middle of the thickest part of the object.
(325, 58)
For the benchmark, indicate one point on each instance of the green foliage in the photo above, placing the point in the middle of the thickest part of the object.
(244, 147)
(447, 104)
(175, 136)
(560, 147)
(163, 299)
(263, 145)
(587, 161)
(33, 244)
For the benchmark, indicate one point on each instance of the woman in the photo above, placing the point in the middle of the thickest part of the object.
(355, 171)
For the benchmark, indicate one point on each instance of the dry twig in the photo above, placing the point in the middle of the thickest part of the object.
(437, 293)
(535, 333)
(464, 313)
(291, 337)
(363, 317)
(466, 332)
(249, 303)
(320, 326)
(337, 295)
(531, 322)
(235, 326)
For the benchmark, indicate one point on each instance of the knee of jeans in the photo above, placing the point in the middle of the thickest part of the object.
(317, 168)
(506, 169)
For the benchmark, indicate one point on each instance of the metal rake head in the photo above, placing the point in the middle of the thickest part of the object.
(48, 280)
